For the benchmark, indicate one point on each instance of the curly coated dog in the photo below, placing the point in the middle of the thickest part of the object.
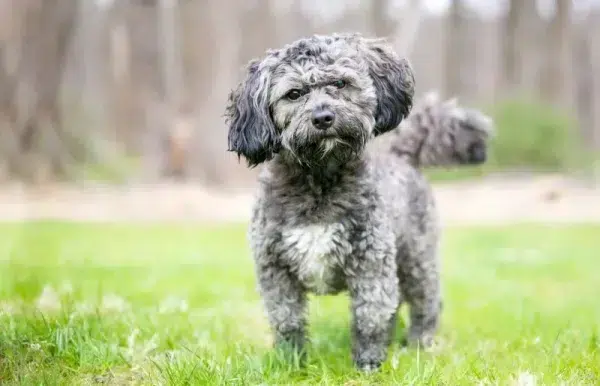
(330, 215)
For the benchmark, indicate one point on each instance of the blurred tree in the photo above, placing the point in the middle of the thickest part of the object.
(557, 86)
(291, 24)
(519, 41)
(586, 65)
(179, 131)
(455, 47)
(381, 24)
(595, 100)
(35, 144)
(170, 51)
(228, 43)
(509, 44)
(584, 79)
(557, 76)
(258, 26)
(407, 32)
(125, 115)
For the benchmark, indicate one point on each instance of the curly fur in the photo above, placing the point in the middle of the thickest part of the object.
(442, 133)
(329, 215)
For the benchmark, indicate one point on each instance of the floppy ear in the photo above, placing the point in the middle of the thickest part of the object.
(252, 133)
(394, 83)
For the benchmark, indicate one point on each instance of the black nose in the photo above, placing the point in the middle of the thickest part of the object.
(322, 118)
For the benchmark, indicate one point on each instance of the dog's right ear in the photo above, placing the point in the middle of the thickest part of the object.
(252, 133)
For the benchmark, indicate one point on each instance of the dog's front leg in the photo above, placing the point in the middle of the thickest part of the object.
(375, 297)
(285, 302)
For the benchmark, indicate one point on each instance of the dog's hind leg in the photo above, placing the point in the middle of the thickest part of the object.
(418, 274)
(286, 306)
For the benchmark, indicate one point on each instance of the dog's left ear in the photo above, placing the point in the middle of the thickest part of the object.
(252, 133)
(394, 83)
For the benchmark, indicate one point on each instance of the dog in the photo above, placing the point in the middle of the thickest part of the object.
(331, 216)
(442, 133)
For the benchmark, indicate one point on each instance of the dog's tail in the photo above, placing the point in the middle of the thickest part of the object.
(442, 133)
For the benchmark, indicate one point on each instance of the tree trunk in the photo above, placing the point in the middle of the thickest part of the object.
(594, 35)
(510, 49)
(36, 145)
(557, 83)
(210, 144)
(455, 48)
(520, 48)
(406, 34)
(379, 20)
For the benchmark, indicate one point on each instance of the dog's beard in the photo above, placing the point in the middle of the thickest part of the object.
(340, 144)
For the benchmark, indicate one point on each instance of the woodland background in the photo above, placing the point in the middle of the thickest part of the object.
(133, 91)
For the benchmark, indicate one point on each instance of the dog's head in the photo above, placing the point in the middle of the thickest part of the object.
(319, 98)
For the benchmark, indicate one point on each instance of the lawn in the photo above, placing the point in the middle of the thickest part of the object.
(176, 304)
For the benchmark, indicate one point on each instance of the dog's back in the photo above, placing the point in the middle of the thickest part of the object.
(407, 194)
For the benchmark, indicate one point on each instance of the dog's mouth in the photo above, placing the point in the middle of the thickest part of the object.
(325, 149)
(332, 140)
(335, 134)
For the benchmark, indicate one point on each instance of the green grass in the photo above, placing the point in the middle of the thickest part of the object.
(175, 304)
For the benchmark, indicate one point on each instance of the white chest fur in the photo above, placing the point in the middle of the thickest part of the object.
(314, 252)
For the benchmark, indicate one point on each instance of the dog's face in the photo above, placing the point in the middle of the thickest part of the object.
(319, 99)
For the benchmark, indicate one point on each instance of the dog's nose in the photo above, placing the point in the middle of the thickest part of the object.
(322, 118)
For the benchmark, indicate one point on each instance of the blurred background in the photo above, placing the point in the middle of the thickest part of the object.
(125, 98)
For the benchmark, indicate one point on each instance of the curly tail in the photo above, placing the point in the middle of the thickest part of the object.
(442, 133)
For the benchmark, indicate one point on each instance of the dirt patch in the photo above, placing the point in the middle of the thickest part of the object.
(493, 200)
(496, 200)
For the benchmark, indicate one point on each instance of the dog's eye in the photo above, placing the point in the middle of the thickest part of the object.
(294, 94)
(339, 83)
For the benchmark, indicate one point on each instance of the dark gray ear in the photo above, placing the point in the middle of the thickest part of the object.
(252, 133)
(394, 83)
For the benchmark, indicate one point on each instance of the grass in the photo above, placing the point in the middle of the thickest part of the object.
(175, 304)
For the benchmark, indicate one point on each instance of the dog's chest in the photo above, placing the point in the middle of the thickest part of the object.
(316, 254)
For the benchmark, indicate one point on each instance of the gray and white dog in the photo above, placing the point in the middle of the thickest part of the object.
(331, 216)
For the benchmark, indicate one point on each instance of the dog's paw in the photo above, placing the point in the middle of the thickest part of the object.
(368, 366)
(369, 357)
